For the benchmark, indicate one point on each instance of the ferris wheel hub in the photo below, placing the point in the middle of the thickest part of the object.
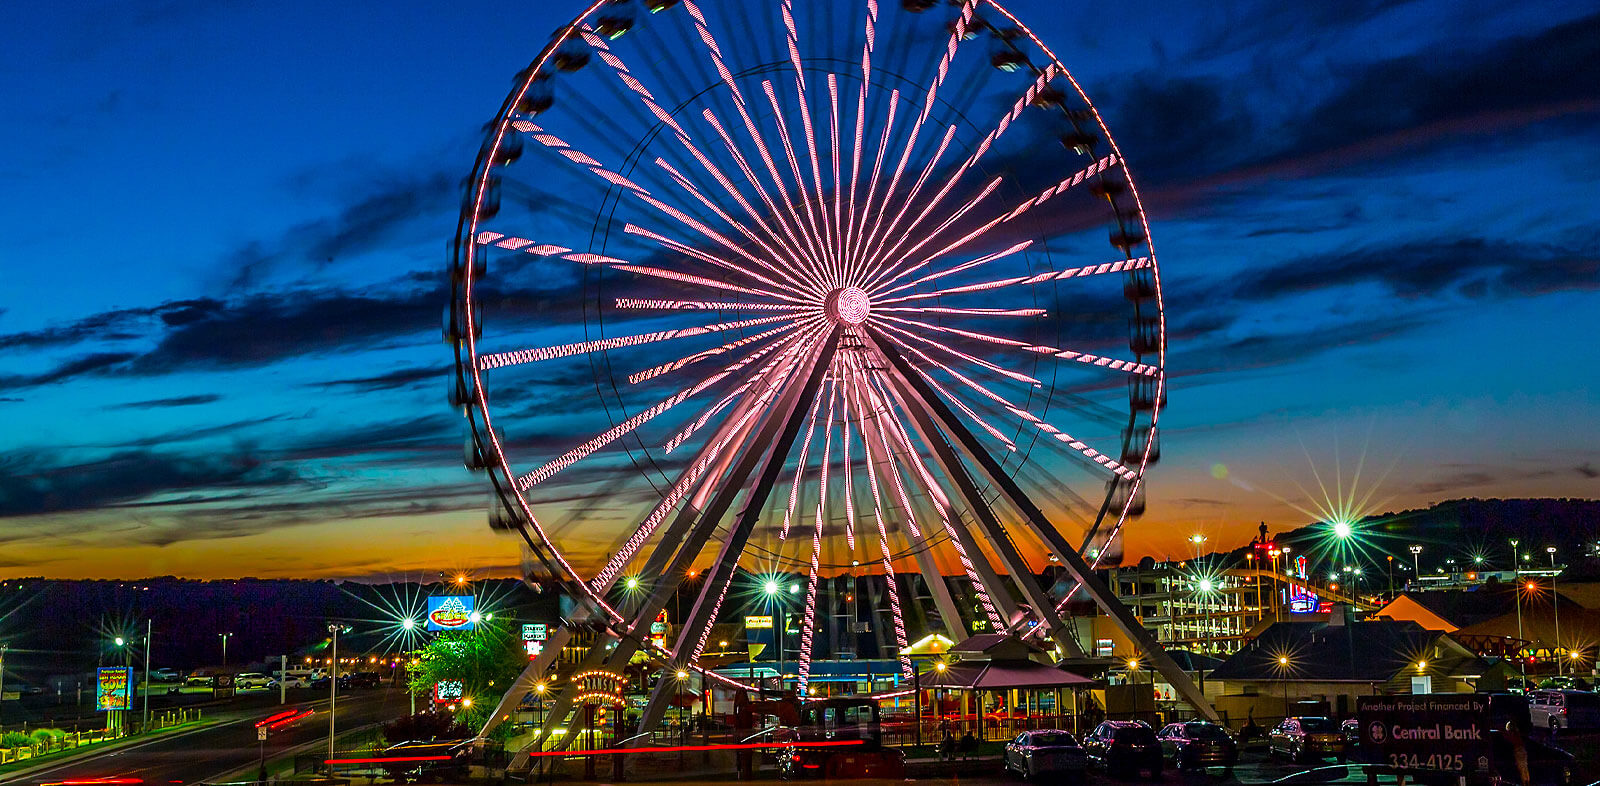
(849, 305)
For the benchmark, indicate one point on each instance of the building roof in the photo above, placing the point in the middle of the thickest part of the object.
(1372, 651)
(1453, 608)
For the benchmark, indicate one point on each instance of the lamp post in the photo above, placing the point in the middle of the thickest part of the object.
(1555, 608)
(1522, 662)
(3, 648)
(224, 637)
(333, 684)
(1416, 561)
(1390, 557)
(774, 593)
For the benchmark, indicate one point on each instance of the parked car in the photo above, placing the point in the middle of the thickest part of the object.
(359, 679)
(297, 678)
(1124, 747)
(1306, 738)
(1195, 745)
(1563, 709)
(251, 679)
(1034, 753)
(202, 679)
(165, 675)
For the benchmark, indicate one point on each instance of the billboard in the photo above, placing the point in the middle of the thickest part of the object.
(535, 631)
(447, 691)
(113, 688)
(451, 612)
(1447, 732)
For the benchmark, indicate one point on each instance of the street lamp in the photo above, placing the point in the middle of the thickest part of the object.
(1341, 529)
(224, 637)
(1416, 561)
(3, 648)
(774, 592)
(1555, 604)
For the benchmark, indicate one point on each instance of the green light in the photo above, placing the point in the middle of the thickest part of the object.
(794, 588)
(1342, 529)
(771, 587)
(121, 641)
(408, 623)
(632, 582)
(1206, 585)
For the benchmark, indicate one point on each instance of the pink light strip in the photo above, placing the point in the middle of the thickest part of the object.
(883, 530)
(1005, 372)
(976, 312)
(1023, 414)
(800, 467)
(546, 250)
(808, 626)
(856, 250)
(687, 431)
(1075, 272)
(983, 260)
(875, 240)
(1041, 82)
(656, 371)
(781, 293)
(583, 451)
(942, 507)
(1128, 366)
(520, 356)
(849, 478)
(686, 482)
(848, 230)
(928, 236)
(814, 236)
(707, 305)
(836, 229)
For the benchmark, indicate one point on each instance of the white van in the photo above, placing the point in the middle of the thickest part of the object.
(1564, 709)
(297, 678)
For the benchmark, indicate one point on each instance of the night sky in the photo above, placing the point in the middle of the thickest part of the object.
(224, 230)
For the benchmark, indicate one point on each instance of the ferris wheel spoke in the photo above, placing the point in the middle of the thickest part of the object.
(875, 239)
(813, 258)
(814, 236)
(611, 435)
(725, 443)
(535, 248)
(787, 357)
(1017, 108)
(1086, 358)
(836, 228)
(859, 217)
(777, 291)
(1118, 266)
(970, 312)
(888, 269)
(985, 584)
(1042, 197)
(714, 52)
(580, 158)
(810, 615)
(800, 467)
(666, 368)
(949, 350)
(895, 613)
(849, 480)
(881, 297)
(805, 118)
(706, 305)
(524, 356)
(869, 31)
(686, 142)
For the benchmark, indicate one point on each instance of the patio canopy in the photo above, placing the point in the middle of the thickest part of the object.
(1002, 675)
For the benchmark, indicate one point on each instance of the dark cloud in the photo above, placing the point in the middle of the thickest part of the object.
(1475, 267)
(34, 484)
(177, 401)
(95, 363)
(399, 378)
(1586, 469)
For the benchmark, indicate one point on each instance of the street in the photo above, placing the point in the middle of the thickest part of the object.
(230, 744)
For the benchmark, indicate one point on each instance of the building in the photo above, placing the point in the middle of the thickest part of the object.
(1293, 666)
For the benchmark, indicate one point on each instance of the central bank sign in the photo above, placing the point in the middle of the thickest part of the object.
(1437, 731)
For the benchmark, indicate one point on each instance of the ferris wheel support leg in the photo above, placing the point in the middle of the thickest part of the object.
(1080, 570)
(526, 681)
(785, 421)
(1022, 575)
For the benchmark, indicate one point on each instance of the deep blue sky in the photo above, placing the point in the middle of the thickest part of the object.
(223, 228)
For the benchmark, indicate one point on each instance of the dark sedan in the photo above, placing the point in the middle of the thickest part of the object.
(1195, 745)
(1035, 753)
(1124, 747)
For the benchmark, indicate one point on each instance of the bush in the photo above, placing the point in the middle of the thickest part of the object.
(425, 727)
(14, 740)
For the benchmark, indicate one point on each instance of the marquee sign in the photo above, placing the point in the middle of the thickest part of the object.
(451, 612)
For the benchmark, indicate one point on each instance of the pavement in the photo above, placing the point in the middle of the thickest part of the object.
(225, 746)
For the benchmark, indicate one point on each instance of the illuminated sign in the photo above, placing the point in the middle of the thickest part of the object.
(763, 622)
(451, 612)
(113, 688)
(659, 627)
(447, 691)
(533, 648)
(1104, 648)
(535, 631)
(1301, 599)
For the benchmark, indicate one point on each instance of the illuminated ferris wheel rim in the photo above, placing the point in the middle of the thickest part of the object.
(845, 303)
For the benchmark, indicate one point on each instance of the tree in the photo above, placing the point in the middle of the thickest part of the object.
(486, 661)
(425, 727)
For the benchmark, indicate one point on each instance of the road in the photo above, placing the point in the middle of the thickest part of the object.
(207, 754)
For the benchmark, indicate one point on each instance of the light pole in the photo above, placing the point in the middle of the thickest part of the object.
(333, 684)
(1416, 562)
(408, 625)
(3, 649)
(1522, 662)
(1206, 587)
(775, 598)
(224, 637)
(1555, 608)
(1390, 557)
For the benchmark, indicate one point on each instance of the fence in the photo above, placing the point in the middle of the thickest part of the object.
(20, 744)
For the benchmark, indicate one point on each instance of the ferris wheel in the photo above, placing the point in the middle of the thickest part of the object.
(755, 289)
